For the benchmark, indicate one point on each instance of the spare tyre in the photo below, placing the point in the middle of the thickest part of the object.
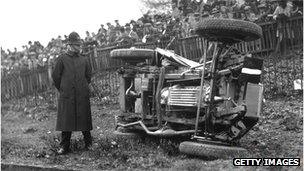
(132, 55)
(228, 30)
(211, 151)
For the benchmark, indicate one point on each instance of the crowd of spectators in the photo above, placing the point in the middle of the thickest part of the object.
(258, 11)
(154, 27)
(31, 56)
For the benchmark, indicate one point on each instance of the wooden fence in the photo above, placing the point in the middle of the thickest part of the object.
(25, 82)
(282, 62)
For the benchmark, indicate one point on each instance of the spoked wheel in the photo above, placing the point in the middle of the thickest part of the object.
(211, 151)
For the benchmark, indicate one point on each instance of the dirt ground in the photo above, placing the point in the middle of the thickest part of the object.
(28, 137)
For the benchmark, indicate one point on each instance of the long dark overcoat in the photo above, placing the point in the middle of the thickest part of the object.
(72, 76)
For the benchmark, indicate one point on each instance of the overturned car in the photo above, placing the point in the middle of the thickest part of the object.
(216, 101)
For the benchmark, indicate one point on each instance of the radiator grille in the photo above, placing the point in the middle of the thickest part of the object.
(183, 97)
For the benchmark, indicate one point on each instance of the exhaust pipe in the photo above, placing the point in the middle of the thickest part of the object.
(160, 132)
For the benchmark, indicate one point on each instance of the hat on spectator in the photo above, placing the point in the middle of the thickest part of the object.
(247, 8)
(215, 11)
(207, 7)
(157, 16)
(147, 24)
(158, 23)
(262, 5)
(221, 2)
(189, 10)
(74, 39)
(205, 14)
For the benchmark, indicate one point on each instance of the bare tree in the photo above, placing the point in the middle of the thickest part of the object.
(157, 5)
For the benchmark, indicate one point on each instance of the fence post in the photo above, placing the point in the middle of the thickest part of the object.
(49, 70)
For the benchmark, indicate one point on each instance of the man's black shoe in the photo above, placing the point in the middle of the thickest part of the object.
(63, 151)
(88, 146)
(88, 142)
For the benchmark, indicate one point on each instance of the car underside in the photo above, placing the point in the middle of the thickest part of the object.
(218, 99)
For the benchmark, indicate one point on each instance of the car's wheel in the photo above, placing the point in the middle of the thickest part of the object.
(228, 30)
(132, 55)
(211, 151)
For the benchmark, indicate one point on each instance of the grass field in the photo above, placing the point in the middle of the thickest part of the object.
(28, 137)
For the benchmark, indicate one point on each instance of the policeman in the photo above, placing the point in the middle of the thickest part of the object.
(72, 76)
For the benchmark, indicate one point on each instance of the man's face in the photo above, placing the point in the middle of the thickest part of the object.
(75, 48)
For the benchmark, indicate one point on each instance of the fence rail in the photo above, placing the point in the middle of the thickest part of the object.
(280, 69)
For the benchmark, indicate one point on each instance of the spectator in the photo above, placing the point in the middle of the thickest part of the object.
(281, 13)
(224, 12)
(176, 12)
(253, 4)
(185, 28)
(117, 27)
(88, 37)
(101, 37)
(31, 47)
(65, 39)
(111, 33)
(215, 13)
(146, 19)
(117, 24)
(93, 36)
(103, 30)
(138, 27)
(249, 14)
(159, 27)
(283, 10)
(297, 7)
(51, 43)
(176, 28)
(123, 37)
(59, 42)
(149, 33)
(131, 33)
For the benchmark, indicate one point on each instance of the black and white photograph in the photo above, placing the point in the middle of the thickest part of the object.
(183, 85)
